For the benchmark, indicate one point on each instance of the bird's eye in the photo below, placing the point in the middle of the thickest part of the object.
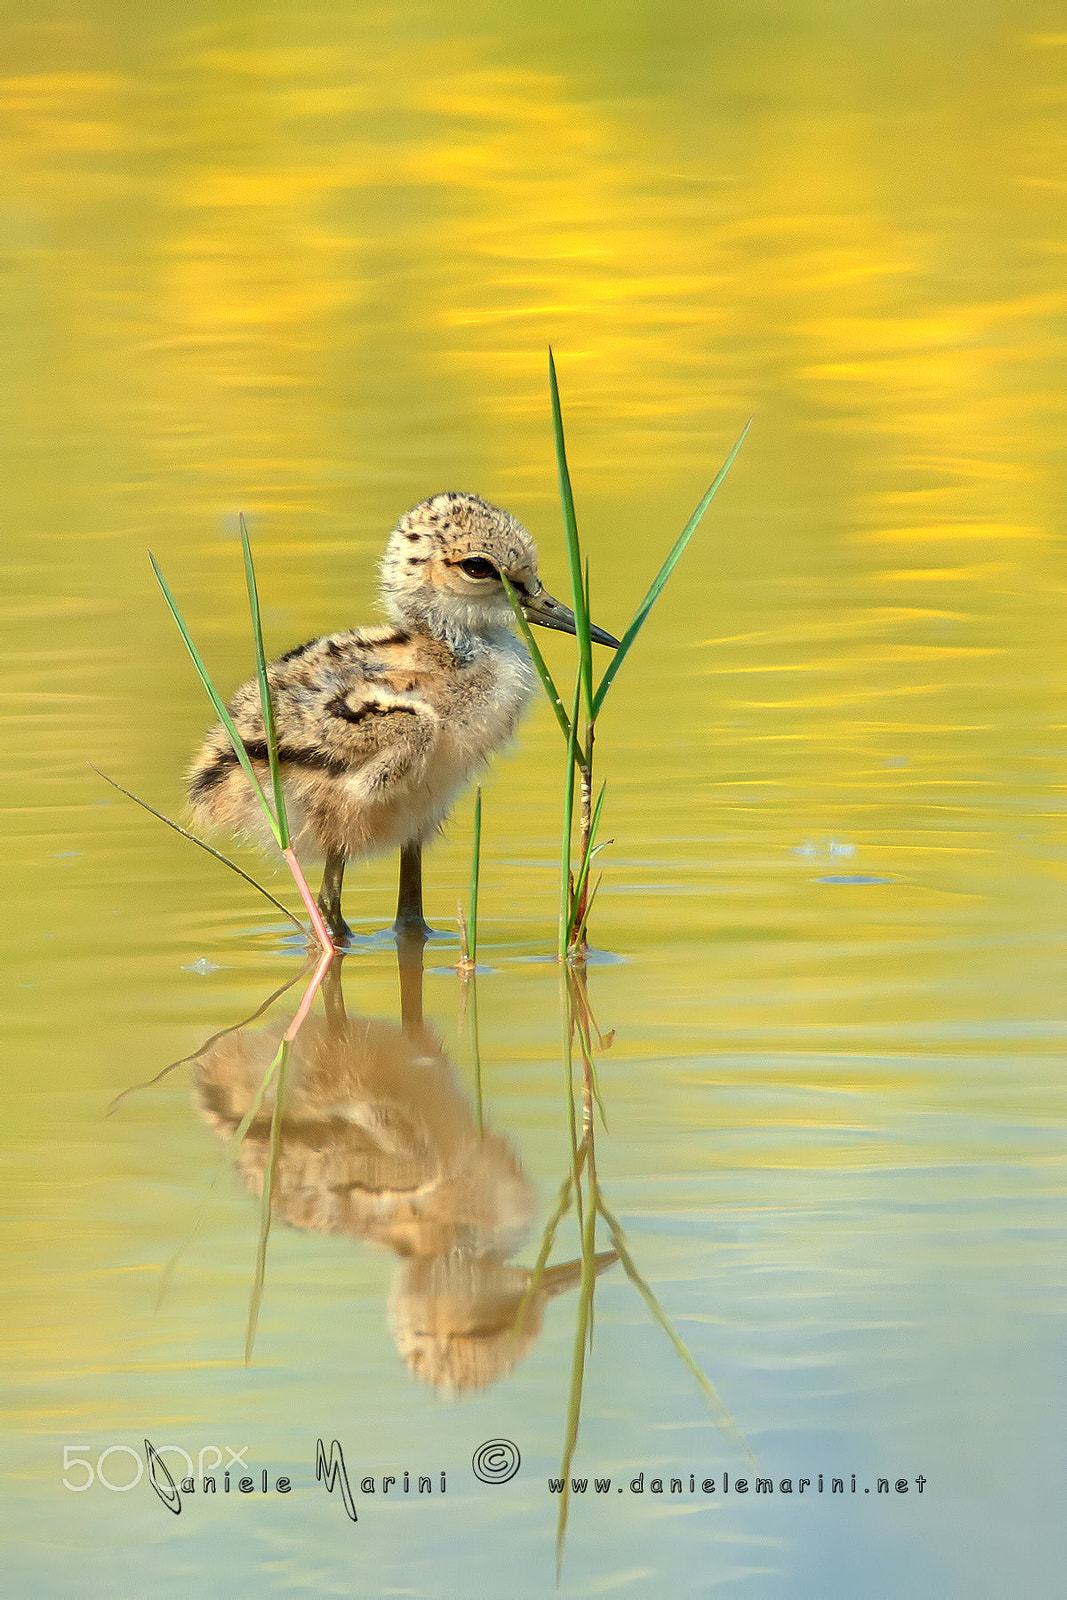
(478, 567)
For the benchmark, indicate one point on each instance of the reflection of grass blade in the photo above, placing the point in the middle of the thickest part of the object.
(468, 922)
(540, 665)
(581, 1020)
(577, 1156)
(203, 845)
(721, 1415)
(208, 1043)
(579, 593)
(229, 1156)
(574, 1399)
(256, 1298)
(548, 1239)
(583, 870)
(662, 575)
(566, 893)
(476, 853)
(477, 1051)
(216, 700)
(265, 701)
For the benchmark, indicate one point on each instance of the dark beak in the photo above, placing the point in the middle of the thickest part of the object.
(549, 613)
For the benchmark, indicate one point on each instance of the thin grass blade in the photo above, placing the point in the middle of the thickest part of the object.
(540, 665)
(574, 550)
(265, 700)
(476, 856)
(663, 574)
(202, 844)
(566, 894)
(216, 700)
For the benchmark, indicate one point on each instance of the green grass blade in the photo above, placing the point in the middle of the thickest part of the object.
(574, 549)
(203, 846)
(540, 665)
(566, 899)
(476, 854)
(583, 870)
(663, 574)
(265, 700)
(718, 1409)
(587, 666)
(216, 699)
(256, 1297)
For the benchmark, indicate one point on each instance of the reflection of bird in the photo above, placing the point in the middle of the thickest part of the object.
(377, 1141)
(462, 1321)
(379, 728)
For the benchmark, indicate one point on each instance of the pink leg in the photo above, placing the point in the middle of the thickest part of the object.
(308, 898)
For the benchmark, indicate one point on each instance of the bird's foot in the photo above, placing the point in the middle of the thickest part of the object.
(336, 926)
(414, 927)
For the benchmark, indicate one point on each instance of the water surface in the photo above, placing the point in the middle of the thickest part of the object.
(307, 267)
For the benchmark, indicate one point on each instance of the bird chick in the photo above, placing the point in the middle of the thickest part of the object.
(379, 728)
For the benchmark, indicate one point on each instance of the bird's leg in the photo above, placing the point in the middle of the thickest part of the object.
(330, 897)
(409, 918)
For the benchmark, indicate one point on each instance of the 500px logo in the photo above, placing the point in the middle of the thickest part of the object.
(119, 1477)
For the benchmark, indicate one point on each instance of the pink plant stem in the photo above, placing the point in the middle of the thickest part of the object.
(308, 898)
(309, 995)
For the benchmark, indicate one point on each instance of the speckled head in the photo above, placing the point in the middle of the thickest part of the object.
(442, 565)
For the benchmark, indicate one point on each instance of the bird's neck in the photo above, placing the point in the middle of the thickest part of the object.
(465, 631)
